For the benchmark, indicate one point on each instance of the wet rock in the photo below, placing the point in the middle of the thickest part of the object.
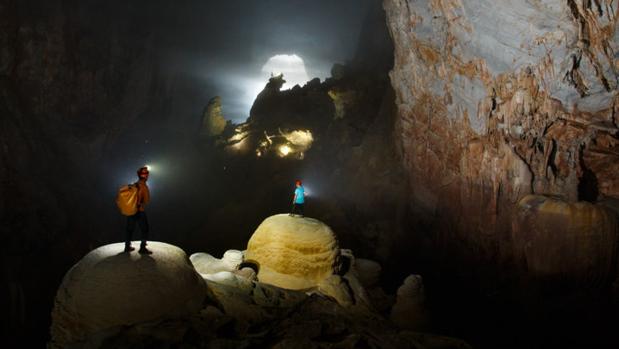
(109, 288)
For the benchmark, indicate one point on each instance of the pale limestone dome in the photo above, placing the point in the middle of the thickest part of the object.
(207, 264)
(292, 252)
(109, 288)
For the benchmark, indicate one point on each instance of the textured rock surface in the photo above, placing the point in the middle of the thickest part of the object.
(213, 121)
(563, 241)
(71, 81)
(500, 99)
(293, 253)
(367, 271)
(207, 264)
(269, 317)
(409, 310)
(109, 288)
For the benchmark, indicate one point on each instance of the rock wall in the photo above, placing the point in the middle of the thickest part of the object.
(499, 99)
(70, 81)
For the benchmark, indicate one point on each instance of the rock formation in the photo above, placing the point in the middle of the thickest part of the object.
(500, 99)
(213, 121)
(207, 264)
(368, 271)
(108, 289)
(112, 299)
(267, 316)
(293, 253)
(574, 242)
(409, 309)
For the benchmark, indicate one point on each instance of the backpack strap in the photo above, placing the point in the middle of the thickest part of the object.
(137, 185)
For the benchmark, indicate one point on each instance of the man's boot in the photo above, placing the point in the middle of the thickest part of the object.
(128, 248)
(144, 250)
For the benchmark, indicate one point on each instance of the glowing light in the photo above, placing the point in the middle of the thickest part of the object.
(238, 137)
(292, 66)
(284, 150)
(300, 138)
(239, 145)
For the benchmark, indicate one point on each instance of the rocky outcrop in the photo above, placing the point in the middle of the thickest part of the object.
(500, 99)
(409, 309)
(109, 288)
(270, 317)
(112, 299)
(207, 264)
(213, 121)
(293, 253)
(574, 242)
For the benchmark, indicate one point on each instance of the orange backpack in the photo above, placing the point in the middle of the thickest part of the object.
(127, 199)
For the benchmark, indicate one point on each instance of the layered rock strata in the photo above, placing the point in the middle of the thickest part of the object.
(292, 252)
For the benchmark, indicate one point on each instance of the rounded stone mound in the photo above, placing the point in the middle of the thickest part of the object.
(567, 241)
(110, 288)
(292, 252)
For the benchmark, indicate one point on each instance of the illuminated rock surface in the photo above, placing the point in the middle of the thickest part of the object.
(112, 299)
(500, 99)
(293, 252)
(213, 121)
(207, 264)
(109, 288)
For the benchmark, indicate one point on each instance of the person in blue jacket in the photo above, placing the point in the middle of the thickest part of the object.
(298, 201)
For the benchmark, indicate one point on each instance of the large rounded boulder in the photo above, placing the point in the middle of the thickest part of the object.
(569, 241)
(292, 252)
(109, 288)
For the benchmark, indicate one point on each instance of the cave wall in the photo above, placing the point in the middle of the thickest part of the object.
(70, 81)
(501, 99)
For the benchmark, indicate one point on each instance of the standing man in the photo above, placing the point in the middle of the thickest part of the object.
(140, 216)
(298, 201)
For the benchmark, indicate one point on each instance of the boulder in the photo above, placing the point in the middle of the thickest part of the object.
(292, 252)
(109, 288)
(568, 241)
(229, 279)
(409, 309)
(367, 271)
(207, 264)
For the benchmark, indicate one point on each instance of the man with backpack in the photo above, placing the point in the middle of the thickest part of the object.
(143, 198)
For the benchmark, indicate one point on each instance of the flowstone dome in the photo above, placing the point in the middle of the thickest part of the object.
(109, 288)
(292, 252)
